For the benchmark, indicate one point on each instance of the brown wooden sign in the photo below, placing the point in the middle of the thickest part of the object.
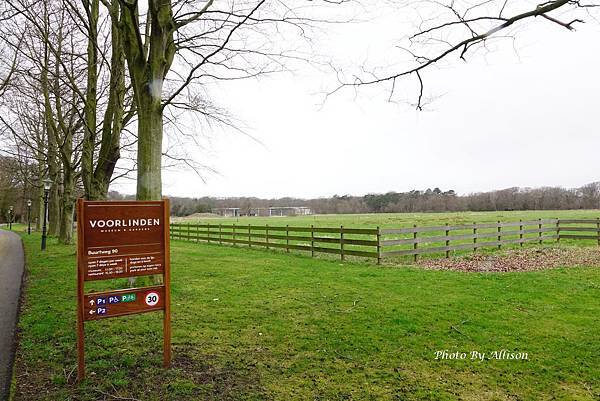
(118, 240)
(122, 239)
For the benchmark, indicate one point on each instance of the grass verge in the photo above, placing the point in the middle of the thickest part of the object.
(257, 325)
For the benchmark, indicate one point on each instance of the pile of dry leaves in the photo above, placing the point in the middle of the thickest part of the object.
(530, 259)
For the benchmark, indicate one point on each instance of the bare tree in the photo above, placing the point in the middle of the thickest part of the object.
(174, 47)
(9, 57)
(101, 148)
(590, 194)
(164, 53)
(52, 70)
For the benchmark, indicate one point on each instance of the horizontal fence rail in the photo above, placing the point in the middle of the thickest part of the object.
(384, 243)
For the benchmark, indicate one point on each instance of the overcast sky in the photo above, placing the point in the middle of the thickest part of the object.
(526, 118)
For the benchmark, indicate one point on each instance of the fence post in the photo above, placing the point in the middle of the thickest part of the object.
(499, 235)
(415, 244)
(447, 242)
(598, 229)
(558, 230)
(342, 243)
(521, 233)
(267, 236)
(287, 238)
(312, 240)
(249, 237)
(220, 234)
(540, 231)
(474, 237)
(188, 231)
(208, 233)
(234, 240)
(378, 245)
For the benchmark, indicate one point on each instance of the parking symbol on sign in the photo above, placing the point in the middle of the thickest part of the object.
(152, 298)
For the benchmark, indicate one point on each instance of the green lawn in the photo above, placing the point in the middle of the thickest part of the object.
(396, 220)
(400, 220)
(259, 325)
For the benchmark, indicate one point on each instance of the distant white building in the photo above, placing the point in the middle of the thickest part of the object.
(227, 211)
(263, 211)
(281, 211)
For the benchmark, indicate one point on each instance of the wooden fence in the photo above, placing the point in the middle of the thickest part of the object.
(384, 243)
(446, 239)
(341, 241)
(579, 229)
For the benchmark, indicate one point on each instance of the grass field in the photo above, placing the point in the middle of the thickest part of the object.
(259, 325)
(397, 220)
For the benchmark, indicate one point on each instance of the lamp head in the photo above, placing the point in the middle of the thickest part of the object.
(11, 208)
(47, 184)
(28, 202)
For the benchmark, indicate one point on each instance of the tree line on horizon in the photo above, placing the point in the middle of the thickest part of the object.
(17, 185)
(429, 200)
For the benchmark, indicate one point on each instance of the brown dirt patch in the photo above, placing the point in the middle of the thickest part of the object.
(520, 260)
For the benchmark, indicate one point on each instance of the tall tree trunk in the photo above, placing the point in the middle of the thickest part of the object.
(90, 115)
(40, 212)
(150, 132)
(112, 125)
(67, 208)
(67, 200)
(54, 196)
(51, 135)
(66, 224)
(148, 62)
(54, 209)
(41, 170)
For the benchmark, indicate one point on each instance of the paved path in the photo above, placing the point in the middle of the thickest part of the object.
(11, 272)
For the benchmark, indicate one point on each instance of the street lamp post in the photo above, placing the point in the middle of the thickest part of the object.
(47, 184)
(10, 217)
(29, 216)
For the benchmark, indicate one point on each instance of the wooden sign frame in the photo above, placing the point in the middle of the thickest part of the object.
(146, 252)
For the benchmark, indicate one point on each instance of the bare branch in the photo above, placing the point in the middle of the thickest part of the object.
(475, 37)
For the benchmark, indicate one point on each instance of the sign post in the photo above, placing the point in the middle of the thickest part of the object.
(120, 240)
